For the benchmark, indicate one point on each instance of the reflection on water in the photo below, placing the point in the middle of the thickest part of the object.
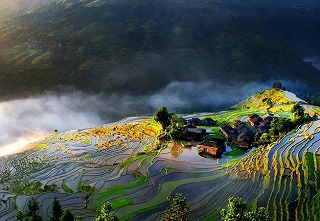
(175, 149)
(188, 153)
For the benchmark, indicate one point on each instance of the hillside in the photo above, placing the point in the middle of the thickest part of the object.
(272, 100)
(123, 163)
(128, 47)
(11, 8)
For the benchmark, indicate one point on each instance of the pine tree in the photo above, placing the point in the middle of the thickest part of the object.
(56, 210)
(67, 216)
(33, 207)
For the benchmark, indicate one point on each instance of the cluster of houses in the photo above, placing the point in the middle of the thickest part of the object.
(242, 134)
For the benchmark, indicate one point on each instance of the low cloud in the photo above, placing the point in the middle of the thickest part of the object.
(203, 96)
(27, 120)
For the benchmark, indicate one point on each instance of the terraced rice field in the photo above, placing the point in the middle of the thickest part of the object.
(119, 164)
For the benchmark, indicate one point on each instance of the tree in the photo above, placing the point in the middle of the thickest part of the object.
(162, 116)
(67, 216)
(237, 208)
(297, 111)
(33, 210)
(56, 210)
(106, 213)
(277, 85)
(33, 207)
(260, 214)
(19, 215)
(176, 129)
(178, 210)
(32, 213)
(240, 211)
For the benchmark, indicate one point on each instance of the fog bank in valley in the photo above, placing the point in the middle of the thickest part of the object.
(27, 120)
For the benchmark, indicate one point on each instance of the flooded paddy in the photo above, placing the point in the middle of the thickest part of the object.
(276, 177)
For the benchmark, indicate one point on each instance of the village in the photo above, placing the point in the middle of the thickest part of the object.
(241, 135)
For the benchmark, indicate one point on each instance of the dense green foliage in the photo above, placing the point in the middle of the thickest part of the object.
(297, 112)
(162, 116)
(106, 213)
(131, 46)
(238, 210)
(32, 213)
(172, 126)
(280, 126)
(176, 129)
(178, 210)
(67, 216)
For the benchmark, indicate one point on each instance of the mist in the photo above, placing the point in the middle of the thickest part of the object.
(28, 120)
(314, 60)
(32, 119)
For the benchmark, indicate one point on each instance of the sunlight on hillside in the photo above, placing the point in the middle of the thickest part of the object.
(22, 143)
(272, 100)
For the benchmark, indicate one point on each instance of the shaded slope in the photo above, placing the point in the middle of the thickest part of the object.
(11, 8)
(112, 44)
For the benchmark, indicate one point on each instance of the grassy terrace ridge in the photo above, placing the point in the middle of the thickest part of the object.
(234, 114)
(117, 190)
(235, 153)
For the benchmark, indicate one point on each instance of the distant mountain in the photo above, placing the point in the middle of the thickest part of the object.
(139, 47)
(11, 8)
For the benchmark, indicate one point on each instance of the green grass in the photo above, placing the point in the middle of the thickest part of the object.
(66, 188)
(216, 136)
(43, 145)
(230, 163)
(86, 141)
(212, 217)
(233, 115)
(138, 212)
(132, 159)
(119, 202)
(235, 153)
(117, 190)
(311, 166)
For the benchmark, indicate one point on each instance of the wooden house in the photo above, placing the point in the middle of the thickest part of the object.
(229, 132)
(254, 120)
(212, 148)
